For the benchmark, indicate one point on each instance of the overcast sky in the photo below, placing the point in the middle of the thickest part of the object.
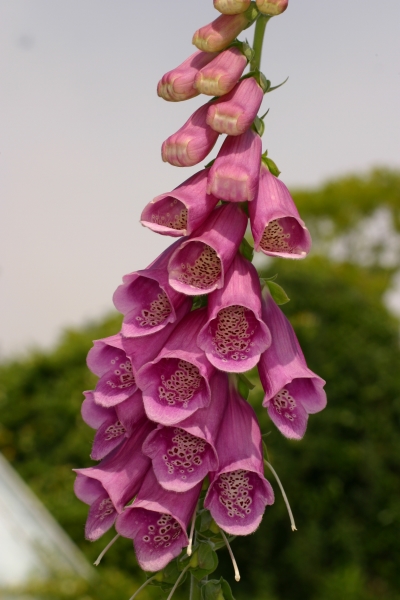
(81, 128)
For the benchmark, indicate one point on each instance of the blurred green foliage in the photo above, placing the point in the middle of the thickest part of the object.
(343, 479)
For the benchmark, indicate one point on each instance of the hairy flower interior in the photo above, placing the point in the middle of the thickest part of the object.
(232, 332)
(235, 494)
(282, 235)
(156, 313)
(285, 404)
(184, 455)
(161, 530)
(204, 271)
(181, 385)
(120, 375)
(170, 213)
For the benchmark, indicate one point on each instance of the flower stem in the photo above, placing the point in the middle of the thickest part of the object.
(142, 586)
(195, 593)
(261, 24)
(275, 474)
(172, 592)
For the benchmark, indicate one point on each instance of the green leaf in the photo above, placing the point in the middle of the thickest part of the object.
(216, 590)
(244, 385)
(246, 249)
(275, 87)
(277, 292)
(207, 561)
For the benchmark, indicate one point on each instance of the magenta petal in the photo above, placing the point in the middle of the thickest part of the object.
(191, 143)
(182, 456)
(289, 385)
(102, 512)
(235, 173)
(181, 211)
(157, 523)
(178, 84)
(238, 491)
(235, 335)
(222, 73)
(275, 222)
(199, 265)
(176, 383)
(146, 299)
(235, 112)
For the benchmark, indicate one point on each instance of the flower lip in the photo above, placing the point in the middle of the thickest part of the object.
(222, 73)
(177, 84)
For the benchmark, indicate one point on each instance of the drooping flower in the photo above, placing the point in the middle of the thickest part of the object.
(272, 7)
(235, 335)
(177, 382)
(220, 33)
(292, 390)
(178, 84)
(113, 424)
(108, 360)
(157, 522)
(275, 222)
(231, 7)
(183, 455)
(199, 265)
(221, 75)
(146, 299)
(234, 113)
(235, 173)
(112, 483)
(238, 491)
(191, 143)
(181, 211)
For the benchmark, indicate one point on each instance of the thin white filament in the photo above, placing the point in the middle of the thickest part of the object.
(98, 559)
(189, 548)
(275, 474)
(234, 563)
(142, 587)
(176, 582)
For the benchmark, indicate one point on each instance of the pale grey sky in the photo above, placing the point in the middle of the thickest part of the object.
(81, 129)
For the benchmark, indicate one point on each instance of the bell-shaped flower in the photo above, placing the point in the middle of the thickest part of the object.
(235, 173)
(199, 265)
(108, 486)
(272, 7)
(176, 383)
(221, 75)
(231, 7)
(108, 360)
(113, 424)
(157, 523)
(235, 335)
(183, 455)
(220, 33)
(192, 142)
(275, 222)
(238, 491)
(181, 211)
(234, 113)
(146, 299)
(292, 390)
(178, 84)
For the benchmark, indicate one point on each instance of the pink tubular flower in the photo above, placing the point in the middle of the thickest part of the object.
(146, 299)
(191, 143)
(157, 523)
(113, 424)
(181, 211)
(108, 360)
(199, 265)
(183, 455)
(178, 84)
(234, 113)
(108, 486)
(221, 75)
(292, 391)
(235, 335)
(231, 7)
(176, 383)
(272, 7)
(235, 173)
(238, 491)
(275, 222)
(220, 33)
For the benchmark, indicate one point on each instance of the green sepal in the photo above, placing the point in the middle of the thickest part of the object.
(244, 48)
(275, 87)
(206, 526)
(244, 385)
(207, 561)
(258, 126)
(262, 81)
(199, 301)
(269, 163)
(251, 14)
(166, 578)
(263, 280)
(216, 590)
(246, 249)
(210, 164)
(277, 292)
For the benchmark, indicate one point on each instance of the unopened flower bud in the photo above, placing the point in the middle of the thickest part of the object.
(220, 33)
(272, 7)
(231, 7)
(177, 85)
(221, 75)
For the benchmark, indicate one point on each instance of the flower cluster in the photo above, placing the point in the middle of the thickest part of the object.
(167, 411)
